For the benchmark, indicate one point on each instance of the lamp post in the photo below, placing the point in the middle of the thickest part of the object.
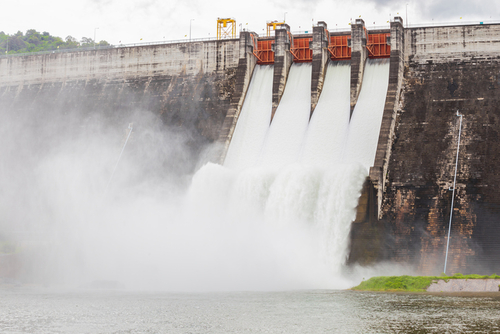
(190, 29)
(284, 18)
(406, 15)
(95, 29)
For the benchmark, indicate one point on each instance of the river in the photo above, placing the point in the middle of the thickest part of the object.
(36, 310)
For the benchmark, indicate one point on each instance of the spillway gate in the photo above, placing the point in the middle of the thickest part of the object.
(339, 48)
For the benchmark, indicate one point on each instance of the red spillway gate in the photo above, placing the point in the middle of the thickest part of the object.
(264, 52)
(377, 46)
(339, 47)
(301, 51)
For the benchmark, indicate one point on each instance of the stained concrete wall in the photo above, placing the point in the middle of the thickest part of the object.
(121, 63)
(187, 87)
(283, 60)
(244, 72)
(450, 44)
(359, 53)
(445, 69)
(321, 39)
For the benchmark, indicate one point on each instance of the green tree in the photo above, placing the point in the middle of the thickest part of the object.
(87, 42)
(34, 41)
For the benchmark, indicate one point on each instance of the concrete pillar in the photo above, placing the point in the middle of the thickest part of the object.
(282, 61)
(321, 38)
(244, 73)
(359, 53)
(396, 69)
(367, 232)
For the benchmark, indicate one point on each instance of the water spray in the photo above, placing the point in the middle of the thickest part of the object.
(130, 127)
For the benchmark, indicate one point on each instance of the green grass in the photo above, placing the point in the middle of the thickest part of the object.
(409, 283)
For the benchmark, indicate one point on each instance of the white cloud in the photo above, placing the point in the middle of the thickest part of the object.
(152, 20)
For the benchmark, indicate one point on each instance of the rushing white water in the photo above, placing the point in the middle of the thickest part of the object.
(244, 226)
(253, 122)
(284, 138)
(292, 187)
(329, 123)
(366, 118)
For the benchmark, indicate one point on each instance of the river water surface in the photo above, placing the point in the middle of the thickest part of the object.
(24, 310)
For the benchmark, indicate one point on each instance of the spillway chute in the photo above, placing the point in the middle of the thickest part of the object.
(285, 135)
(364, 127)
(327, 130)
(253, 121)
(300, 177)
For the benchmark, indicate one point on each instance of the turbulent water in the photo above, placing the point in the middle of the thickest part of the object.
(274, 219)
(364, 127)
(327, 130)
(276, 216)
(306, 176)
(284, 137)
(253, 121)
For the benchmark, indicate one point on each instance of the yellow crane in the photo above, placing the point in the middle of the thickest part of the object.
(226, 28)
(271, 25)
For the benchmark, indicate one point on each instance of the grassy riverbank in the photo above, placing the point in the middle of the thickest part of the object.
(409, 283)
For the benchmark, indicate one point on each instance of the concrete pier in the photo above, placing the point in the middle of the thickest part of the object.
(358, 59)
(283, 59)
(392, 105)
(321, 37)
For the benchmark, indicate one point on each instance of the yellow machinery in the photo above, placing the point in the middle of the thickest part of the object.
(272, 26)
(226, 28)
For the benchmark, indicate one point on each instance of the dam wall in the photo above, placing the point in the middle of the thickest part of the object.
(446, 69)
(187, 88)
(189, 59)
(197, 89)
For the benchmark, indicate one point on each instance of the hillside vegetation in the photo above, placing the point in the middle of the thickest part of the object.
(34, 41)
(409, 283)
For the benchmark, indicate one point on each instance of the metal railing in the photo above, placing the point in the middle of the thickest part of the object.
(106, 47)
(187, 40)
(448, 24)
(382, 27)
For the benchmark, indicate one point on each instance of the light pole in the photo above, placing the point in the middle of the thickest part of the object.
(453, 194)
(190, 29)
(406, 15)
(284, 18)
(95, 29)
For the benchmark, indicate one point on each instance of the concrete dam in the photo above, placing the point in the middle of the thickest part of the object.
(370, 116)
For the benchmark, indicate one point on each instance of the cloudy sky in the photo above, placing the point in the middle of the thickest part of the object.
(129, 21)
